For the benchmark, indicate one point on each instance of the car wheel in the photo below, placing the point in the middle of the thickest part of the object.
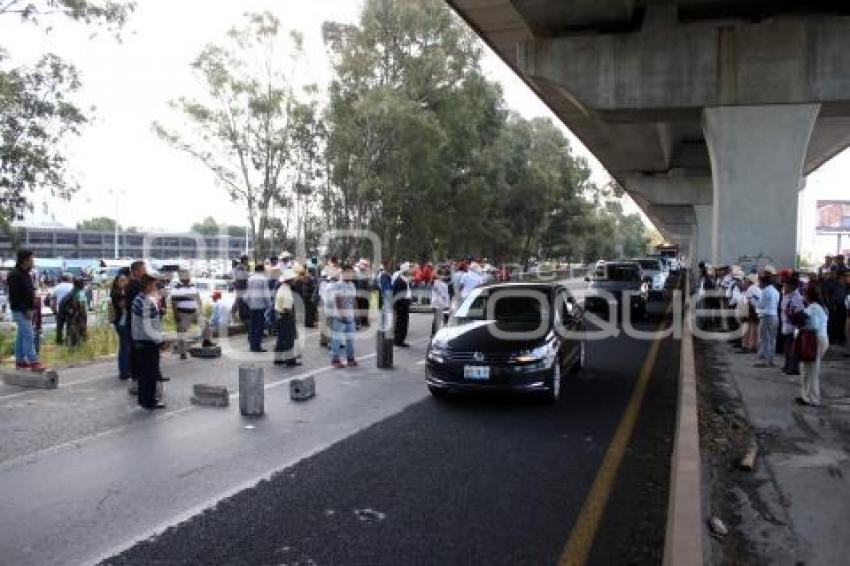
(554, 392)
(438, 392)
(580, 359)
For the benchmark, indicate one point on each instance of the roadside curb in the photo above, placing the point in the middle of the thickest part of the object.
(683, 540)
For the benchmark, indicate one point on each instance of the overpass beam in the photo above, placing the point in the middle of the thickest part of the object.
(757, 155)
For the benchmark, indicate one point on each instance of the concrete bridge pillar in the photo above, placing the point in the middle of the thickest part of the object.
(757, 155)
(704, 240)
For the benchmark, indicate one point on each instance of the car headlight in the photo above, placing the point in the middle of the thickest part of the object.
(539, 354)
(437, 351)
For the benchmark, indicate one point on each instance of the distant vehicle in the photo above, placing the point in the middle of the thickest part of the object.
(671, 252)
(655, 272)
(469, 355)
(611, 281)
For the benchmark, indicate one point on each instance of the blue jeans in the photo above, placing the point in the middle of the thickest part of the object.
(256, 326)
(124, 345)
(342, 329)
(25, 339)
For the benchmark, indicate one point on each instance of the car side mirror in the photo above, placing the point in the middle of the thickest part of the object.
(587, 279)
(571, 300)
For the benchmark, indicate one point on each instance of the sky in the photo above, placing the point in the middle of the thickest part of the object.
(127, 171)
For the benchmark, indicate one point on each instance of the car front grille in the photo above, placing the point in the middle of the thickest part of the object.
(467, 356)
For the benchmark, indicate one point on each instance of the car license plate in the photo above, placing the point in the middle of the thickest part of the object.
(478, 373)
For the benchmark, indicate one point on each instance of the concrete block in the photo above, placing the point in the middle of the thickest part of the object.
(302, 389)
(384, 349)
(47, 379)
(251, 390)
(205, 352)
(210, 395)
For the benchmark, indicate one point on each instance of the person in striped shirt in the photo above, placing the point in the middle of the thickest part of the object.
(147, 340)
(186, 305)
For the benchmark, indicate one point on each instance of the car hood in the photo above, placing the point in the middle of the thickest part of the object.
(615, 285)
(479, 335)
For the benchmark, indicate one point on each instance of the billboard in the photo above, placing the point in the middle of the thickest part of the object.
(833, 216)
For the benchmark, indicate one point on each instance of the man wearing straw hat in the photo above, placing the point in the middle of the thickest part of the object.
(284, 306)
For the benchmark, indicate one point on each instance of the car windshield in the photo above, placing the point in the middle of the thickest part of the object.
(622, 273)
(507, 306)
(649, 264)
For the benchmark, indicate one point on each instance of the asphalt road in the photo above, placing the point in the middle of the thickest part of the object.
(372, 471)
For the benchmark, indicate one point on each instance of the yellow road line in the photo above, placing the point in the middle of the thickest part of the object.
(584, 531)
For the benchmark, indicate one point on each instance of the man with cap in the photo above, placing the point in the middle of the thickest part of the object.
(186, 305)
(284, 306)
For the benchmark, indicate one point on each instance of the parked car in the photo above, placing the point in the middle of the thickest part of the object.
(507, 337)
(611, 282)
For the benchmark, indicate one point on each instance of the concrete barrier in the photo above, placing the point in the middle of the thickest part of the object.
(251, 390)
(210, 395)
(47, 379)
(302, 389)
(384, 349)
(683, 540)
(205, 352)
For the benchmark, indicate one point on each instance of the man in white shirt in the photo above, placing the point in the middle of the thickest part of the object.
(439, 299)
(60, 292)
(340, 299)
(470, 280)
(768, 312)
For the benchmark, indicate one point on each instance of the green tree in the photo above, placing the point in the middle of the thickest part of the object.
(241, 132)
(207, 227)
(408, 109)
(98, 223)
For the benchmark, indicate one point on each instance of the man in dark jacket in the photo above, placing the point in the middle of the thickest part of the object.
(138, 269)
(22, 303)
(401, 305)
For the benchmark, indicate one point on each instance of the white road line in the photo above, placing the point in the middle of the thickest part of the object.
(11, 463)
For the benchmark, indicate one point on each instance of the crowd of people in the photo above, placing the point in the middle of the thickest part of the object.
(781, 313)
(272, 298)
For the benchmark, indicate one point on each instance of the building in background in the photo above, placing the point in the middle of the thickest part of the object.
(70, 243)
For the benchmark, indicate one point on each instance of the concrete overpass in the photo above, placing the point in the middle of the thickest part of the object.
(709, 112)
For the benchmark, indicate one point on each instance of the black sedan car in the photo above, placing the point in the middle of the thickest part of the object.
(519, 337)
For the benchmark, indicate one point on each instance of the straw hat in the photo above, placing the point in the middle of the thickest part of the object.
(769, 270)
(753, 278)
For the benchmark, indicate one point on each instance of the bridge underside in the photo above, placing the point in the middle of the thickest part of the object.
(708, 112)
